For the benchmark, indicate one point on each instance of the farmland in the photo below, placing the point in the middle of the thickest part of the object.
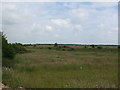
(47, 66)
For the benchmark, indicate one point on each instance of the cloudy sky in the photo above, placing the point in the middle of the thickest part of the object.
(61, 22)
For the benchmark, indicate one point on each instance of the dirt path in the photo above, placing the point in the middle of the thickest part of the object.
(2, 86)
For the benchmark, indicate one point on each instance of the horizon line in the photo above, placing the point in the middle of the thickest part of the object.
(67, 43)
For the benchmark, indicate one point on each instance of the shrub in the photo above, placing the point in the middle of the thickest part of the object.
(34, 45)
(118, 46)
(55, 45)
(85, 46)
(40, 48)
(71, 49)
(49, 48)
(63, 49)
(93, 46)
(64, 46)
(7, 50)
(99, 47)
(19, 48)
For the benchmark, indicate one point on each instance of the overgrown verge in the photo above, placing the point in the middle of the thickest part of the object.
(9, 79)
(9, 51)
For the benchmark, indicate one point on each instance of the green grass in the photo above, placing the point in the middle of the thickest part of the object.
(52, 68)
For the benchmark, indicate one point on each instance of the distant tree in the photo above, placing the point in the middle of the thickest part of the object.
(55, 45)
(85, 46)
(34, 45)
(119, 46)
(65, 46)
(99, 47)
(93, 46)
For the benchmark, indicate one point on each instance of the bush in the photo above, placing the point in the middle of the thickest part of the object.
(49, 48)
(85, 46)
(19, 48)
(65, 46)
(63, 49)
(7, 50)
(71, 49)
(93, 46)
(55, 45)
(99, 47)
(34, 45)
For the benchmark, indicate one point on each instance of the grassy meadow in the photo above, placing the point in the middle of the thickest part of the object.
(46, 66)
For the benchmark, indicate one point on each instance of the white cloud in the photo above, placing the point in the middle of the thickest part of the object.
(60, 1)
(78, 27)
(40, 22)
(61, 22)
(104, 5)
(81, 14)
(101, 26)
(115, 29)
(56, 35)
(49, 28)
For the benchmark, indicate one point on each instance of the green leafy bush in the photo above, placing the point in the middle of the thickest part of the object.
(7, 50)
(19, 48)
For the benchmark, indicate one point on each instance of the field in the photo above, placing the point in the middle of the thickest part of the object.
(46, 66)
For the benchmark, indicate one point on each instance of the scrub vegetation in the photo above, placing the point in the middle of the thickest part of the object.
(60, 66)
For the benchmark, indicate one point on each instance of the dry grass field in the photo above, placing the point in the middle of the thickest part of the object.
(64, 67)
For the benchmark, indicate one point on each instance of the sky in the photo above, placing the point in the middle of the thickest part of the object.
(61, 22)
